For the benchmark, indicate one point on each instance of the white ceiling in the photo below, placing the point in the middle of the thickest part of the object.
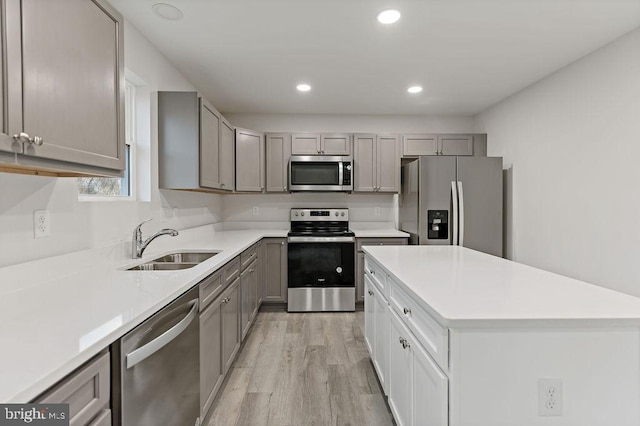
(248, 55)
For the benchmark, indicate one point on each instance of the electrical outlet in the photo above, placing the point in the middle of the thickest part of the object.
(550, 397)
(377, 211)
(41, 226)
(256, 211)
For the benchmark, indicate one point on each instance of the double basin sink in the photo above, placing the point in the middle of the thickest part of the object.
(174, 261)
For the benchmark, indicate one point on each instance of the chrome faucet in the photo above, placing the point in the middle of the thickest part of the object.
(138, 246)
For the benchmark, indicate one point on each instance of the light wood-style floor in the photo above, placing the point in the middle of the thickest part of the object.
(302, 369)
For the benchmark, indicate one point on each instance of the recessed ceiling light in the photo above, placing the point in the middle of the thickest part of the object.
(414, 89)
(303, 87)
(167, 11)
(390, 16)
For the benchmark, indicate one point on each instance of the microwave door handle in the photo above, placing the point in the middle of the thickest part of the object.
(340, 172)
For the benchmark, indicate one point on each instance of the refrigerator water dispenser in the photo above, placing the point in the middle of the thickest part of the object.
(438, 224)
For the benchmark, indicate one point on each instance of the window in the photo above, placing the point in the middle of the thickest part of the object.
(93, 188)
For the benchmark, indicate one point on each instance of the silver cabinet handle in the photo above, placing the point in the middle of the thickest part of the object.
(282, 243)
(165, 338)
(24, 137)
(372, 272)
(252, 270)
(405, 343)
(402, 340)
(226, 300)
(407, 311)
(370, 293)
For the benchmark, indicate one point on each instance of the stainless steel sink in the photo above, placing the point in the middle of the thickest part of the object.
(174, 261)
(185, 257)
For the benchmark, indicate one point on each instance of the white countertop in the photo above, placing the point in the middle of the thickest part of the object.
(465, 288)
(58, 312)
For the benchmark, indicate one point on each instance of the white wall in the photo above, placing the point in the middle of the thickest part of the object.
(80, 225)
(572, 142)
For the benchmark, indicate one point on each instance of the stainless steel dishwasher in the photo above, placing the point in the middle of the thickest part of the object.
(159, 363)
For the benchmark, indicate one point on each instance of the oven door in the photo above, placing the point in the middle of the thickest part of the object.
(316, 173)
(321, 262)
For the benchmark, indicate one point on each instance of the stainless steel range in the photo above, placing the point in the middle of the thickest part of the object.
(321, 261)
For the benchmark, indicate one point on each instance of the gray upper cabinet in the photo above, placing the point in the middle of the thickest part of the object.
(78, 122)
(456, 144)
(305, 144)
(227, 155)
(195, 150)
(414, 145)
(376, 163)
(335, 144)
(209, 145)
(419, 144)
(249, 161)
(278, 151)
(321, 144)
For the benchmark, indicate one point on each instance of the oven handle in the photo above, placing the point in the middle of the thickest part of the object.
(321, 239)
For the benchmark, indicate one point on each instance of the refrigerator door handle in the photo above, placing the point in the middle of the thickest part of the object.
(461, 207)
(454, 202)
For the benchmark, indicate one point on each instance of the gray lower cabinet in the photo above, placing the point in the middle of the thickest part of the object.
(361, 242)
(249, 161)
(274, 270)
(376, 163)
(415, 145)
(278, 151)
(87, 391)
(75, 126)
(230, 324)
(211, 368)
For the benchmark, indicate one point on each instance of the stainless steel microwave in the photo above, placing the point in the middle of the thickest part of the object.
(320, 173)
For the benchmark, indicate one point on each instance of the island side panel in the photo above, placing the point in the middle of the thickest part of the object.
(494, 376)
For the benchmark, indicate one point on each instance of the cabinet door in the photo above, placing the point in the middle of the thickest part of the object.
(369, 317)
(419, 144)
(249, 161)
(388, 163)
(7, 143)
(210, 354)
(227, 157)
(73, 81)
(209, 145)
(278, 151)
(360, 292)
(381, 342)
(400, 371)
(230, 313)
(365, 161)
(430, 390)
(245, 304)
(275, 270)
(305, 144)
(87, 391)
(253, 289)
(335, 144)
(455, 144)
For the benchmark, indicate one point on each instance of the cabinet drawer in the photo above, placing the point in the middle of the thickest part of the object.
(378, 276)
(360, 242)
(248, 256)
(231, 271)
(103, 419)
(210, 288)
(430, 334)
(86, 391)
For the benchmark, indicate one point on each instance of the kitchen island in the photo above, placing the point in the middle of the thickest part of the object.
(462, 338)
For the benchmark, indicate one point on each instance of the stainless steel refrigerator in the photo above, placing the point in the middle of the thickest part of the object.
(453, 201)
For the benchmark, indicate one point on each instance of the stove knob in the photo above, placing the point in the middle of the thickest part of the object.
(302, 214)
(296, 213)
(336, 213)
(342, 214)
